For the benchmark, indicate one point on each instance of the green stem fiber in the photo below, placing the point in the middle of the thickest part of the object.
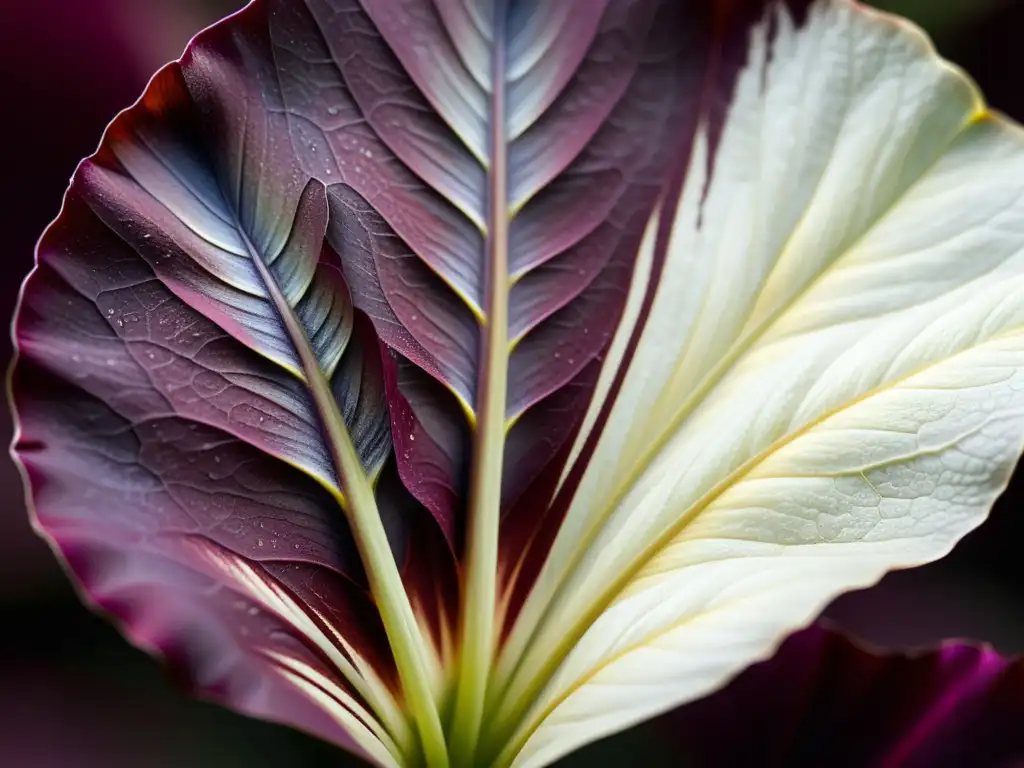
(360, 506)
(481, 565)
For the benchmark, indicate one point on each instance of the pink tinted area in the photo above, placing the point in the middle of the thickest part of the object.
(979, 674)
(825, 701)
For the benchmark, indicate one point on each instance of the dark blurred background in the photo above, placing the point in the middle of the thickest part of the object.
(73, 694)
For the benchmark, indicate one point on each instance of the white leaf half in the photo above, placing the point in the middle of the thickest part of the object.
(830, 383)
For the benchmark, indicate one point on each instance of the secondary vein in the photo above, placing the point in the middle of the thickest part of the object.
(360, 507)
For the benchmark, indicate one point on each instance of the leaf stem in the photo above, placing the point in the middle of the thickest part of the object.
(481, 565)
(360, 506)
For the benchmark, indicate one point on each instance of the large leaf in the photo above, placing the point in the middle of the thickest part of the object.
(668, 320)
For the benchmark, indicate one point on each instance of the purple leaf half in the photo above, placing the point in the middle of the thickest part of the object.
(183, 315)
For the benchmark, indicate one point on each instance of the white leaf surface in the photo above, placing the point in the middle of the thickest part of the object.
(830, 383)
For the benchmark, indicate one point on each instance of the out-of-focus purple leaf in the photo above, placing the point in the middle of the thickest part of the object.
(823, 700)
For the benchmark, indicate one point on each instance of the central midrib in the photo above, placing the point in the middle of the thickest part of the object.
(479, 586)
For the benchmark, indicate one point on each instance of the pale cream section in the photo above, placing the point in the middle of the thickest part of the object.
(830, 385)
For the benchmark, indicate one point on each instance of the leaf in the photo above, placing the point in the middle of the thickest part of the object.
(538, 364)
(824, 700)
(827, 385)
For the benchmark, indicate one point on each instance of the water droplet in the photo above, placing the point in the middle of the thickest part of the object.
(110, 311)
(329, 171)
(259, 542)
(369, 153)
(111, 361)
(558, 355)
(146, 236)
(332, 110)
(254, 611)
(216, 459)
